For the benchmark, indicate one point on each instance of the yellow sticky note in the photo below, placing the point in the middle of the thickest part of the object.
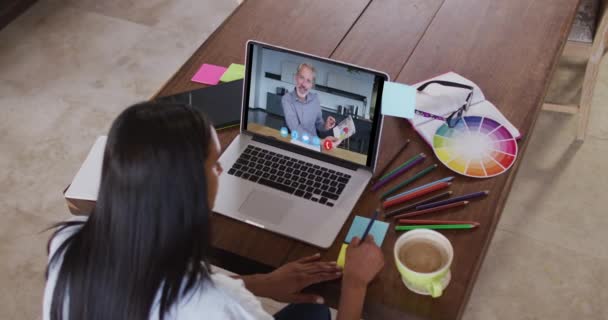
(234, 72)
(342, 256)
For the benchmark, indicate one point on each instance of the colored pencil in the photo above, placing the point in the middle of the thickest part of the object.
(409, 180)
(410, 221)
(369, 225)
(431, 210)
(402, 169)
(388, 165)
(446, 179)
(414, 195)
(452, 200)
(436, 227)
(414, 205)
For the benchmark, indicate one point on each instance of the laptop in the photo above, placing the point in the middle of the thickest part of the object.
(308, 143)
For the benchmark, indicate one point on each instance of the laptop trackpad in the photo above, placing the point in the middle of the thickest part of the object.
(265, 206)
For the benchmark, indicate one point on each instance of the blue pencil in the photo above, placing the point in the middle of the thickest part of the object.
(447, 179)
(452, 200)
(369, 225)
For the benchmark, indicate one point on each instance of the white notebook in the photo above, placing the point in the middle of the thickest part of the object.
(443, 100)
(85, 185)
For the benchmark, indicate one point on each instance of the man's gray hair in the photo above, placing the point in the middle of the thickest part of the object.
(309, 66)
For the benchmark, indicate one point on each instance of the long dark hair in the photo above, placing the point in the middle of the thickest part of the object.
(150, 226)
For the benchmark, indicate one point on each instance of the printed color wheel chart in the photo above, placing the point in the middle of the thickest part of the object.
(477, 147)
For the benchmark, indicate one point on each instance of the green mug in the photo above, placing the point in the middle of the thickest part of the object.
(426, 283)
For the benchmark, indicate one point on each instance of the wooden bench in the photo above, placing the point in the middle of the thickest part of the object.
(587, 39)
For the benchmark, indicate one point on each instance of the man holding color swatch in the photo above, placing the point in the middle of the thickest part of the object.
(302, 108)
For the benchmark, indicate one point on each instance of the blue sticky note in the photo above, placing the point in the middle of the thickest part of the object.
(398, 100)
(359, 225)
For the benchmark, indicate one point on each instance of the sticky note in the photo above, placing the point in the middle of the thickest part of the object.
(342, 256)
(235, 72)
(398, 100)
(209, 74)
(359, 225)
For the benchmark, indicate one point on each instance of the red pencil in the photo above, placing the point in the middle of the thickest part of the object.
(430, 210)
(410, 221)
(413, 195)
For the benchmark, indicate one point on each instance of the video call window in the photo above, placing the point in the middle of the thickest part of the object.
(315, 104)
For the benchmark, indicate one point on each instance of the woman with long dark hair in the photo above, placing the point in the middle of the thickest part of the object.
(143, 252)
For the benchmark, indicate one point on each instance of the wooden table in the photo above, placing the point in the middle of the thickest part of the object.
(509, 48)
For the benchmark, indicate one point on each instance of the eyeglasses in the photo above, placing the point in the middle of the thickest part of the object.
(455, 117)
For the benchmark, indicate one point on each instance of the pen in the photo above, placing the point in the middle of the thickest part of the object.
(369, 226)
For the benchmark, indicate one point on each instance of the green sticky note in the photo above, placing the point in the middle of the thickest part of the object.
(378, 230)
(235, 72)
(398, 100)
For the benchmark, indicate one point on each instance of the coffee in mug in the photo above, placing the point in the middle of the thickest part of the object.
(423, 258)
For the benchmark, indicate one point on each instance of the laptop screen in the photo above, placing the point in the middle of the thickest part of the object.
(318, 104)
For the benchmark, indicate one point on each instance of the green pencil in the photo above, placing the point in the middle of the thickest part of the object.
(413, 178)
(435, 227)
(399, 167)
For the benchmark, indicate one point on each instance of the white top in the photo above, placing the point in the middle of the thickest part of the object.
(227, 299)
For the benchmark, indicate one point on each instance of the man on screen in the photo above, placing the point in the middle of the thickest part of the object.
(302, 108)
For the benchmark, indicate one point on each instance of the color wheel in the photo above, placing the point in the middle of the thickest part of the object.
(477, 147)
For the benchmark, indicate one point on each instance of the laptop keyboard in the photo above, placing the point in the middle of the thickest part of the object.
(303, 179)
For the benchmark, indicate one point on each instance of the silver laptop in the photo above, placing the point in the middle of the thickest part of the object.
(308, 144)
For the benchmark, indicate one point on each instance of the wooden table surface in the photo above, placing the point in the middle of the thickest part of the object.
(509, 48)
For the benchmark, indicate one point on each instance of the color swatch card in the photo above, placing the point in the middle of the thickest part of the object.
(344, 130)
(209, 74)
(234, 72)
(398, 100)
(357, 229)
(477, 147)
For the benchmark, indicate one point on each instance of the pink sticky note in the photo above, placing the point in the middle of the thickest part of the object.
(209, 74)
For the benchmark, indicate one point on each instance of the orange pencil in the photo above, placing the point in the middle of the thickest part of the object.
(410, 221)
(414, 195)
(430, 210)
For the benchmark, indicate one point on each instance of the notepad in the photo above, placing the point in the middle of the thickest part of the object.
(378, 230)
(221, 103)
(443, 100)
(209, 74)
(398, 100)
(234, 72)
(85, 185)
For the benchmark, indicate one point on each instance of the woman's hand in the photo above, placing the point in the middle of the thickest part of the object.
(364, 260)
(285, 283)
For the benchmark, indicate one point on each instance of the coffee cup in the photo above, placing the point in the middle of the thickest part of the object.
(423, 258)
